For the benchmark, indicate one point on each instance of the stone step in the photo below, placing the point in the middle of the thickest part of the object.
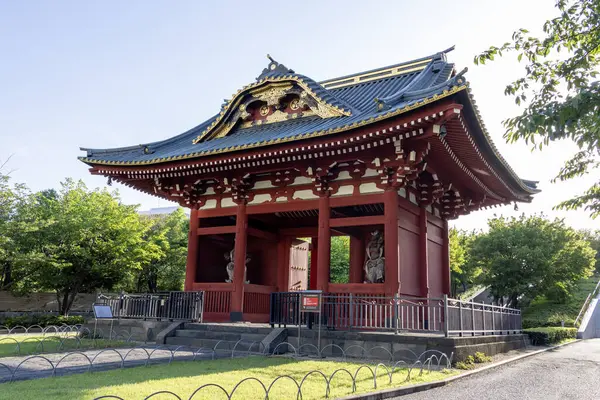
(222, 345)
(238, 328)
(198, 334)
(229, 336)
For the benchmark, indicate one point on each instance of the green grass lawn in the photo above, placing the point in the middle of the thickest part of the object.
(544, 312)
(34, 344)
(183, 378)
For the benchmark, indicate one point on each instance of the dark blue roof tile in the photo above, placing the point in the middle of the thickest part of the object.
(395, 88)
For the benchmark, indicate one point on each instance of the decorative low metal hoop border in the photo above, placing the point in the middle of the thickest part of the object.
(372, 369)
(56, 343)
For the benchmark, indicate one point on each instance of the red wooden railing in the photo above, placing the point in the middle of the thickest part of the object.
(257, 302)
(217, 300)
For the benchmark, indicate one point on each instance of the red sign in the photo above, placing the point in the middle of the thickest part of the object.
(311, 302)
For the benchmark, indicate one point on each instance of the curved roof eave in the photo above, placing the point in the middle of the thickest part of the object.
(485, 140)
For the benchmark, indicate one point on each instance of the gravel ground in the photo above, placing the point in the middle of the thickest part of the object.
(570, 372)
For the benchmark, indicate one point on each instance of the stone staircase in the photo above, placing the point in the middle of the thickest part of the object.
(222, 337)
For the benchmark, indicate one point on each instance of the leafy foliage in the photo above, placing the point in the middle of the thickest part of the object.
(526, 257)
(463, 271)
(470, 361)
(340, 259)
(562, 91)
(548, 336)
(594, 238)
(168, 235)
(89, 241)
(543, 311)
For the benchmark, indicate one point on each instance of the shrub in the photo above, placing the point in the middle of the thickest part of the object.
(481, 358)
(42, 320)
(464, 365)
(550, 335)
(545, 320)
(470, 361)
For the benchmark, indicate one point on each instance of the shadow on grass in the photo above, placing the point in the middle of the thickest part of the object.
(29, 345)
(185, 377)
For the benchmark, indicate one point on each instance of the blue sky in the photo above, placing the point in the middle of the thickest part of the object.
(113, 73)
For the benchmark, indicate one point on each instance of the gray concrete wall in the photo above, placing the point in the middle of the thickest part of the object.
(141, 331)
(381, 344)
(590, 324)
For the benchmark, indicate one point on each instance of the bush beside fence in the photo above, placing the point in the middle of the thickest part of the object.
(550, 335)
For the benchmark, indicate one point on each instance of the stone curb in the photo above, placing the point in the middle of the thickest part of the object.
(389, 393)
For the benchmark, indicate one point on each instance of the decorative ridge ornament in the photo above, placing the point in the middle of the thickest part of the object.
(276, 86)
(274, 68)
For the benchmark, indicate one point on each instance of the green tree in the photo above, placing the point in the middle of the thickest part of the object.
(14, 250)
(340, 259)
(594, 238)
(89, 241)
(167, 236)
(522, 258)
(561, 92)
(463, 271)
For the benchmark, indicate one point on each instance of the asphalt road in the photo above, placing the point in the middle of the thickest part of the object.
(571, 372)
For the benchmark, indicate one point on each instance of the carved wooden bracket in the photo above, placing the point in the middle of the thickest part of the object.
(282, 179)
(431, 189)
(453, 204)
(240, 189)
(405, 167)
(323, 177)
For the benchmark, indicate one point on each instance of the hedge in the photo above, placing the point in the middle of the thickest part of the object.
(42, 320)
(550, 335)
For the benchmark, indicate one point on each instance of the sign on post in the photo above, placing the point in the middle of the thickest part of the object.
(310, 302)
(102, 312)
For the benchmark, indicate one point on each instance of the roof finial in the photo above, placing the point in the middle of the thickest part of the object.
(274, 68)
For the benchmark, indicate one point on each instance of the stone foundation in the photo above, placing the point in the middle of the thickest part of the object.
(386, 343)
(141, 331)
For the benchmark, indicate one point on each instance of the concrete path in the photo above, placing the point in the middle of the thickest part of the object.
(45, 365)
(570, 372)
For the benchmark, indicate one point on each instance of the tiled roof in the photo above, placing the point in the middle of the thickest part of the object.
(365, 97)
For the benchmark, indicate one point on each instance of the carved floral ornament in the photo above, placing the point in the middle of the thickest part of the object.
(270, 101)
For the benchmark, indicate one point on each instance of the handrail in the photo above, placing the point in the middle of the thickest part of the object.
(185, 306)
(586, 303)
(398, 314)
(584, 307)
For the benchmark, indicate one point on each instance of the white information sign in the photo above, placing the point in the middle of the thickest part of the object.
(102, 312)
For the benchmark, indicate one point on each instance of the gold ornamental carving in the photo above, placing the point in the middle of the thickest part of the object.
(271, 94)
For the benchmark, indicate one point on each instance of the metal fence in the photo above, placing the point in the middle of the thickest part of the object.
(184, 306)
(398, 314)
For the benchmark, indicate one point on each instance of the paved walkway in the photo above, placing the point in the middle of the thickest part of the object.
(570, 372)
(45, 365)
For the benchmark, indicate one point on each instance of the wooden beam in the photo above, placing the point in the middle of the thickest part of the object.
(270, 208)
(299, 232)
(357, 221)
(216, 230)
(192, 256)
(356, 200)
(391, 248)
(423, 254)
(262, 234)
(217, 212)
(324, 243)
(446, 261)
(239, 269)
